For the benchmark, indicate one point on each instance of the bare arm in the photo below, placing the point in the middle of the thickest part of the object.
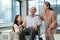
(24, 23)
(41, 17)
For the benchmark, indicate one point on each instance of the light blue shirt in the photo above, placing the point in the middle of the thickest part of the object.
(32, 20)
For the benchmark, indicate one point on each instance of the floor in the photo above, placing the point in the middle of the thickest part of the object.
(56, 36)
(7, 36)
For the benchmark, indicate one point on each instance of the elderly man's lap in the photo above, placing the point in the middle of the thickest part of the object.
(27, 31)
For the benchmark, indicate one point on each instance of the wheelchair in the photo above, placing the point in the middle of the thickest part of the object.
(37, 37)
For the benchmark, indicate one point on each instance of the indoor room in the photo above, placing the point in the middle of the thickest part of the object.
(10, 8)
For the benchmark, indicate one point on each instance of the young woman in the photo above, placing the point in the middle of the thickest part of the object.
(17, 26)
(49, 17)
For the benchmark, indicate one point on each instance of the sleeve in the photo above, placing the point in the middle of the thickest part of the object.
(53, 16)
(39, 20)
(16, 28)
(54, 21)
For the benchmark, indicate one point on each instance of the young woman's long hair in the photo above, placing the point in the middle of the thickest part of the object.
(48, 4)
(16, 22)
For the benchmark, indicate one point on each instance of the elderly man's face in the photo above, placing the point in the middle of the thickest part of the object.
(32, 10)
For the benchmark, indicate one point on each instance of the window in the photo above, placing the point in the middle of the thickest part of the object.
(58, 7)
(8, 10)
(5, 11)
(17, 7)
(58, 13)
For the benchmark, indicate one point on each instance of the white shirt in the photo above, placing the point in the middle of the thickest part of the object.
(31, 21)
(16, 28)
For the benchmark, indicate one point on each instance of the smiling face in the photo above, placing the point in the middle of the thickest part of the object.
(19, 19)
(45, 6)
(32, 10)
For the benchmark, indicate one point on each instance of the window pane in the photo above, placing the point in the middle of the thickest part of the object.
(6, 11)
(17, 7)
(58, 13)
(1, 15)
(58, 7)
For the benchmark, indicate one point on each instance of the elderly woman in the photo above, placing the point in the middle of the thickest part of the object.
(49, 17)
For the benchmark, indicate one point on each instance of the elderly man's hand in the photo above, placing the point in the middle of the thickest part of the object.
(35, 27)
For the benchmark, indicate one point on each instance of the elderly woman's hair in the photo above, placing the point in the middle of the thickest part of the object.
(48, 4)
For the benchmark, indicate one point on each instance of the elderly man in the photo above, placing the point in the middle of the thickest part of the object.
(32, 22)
